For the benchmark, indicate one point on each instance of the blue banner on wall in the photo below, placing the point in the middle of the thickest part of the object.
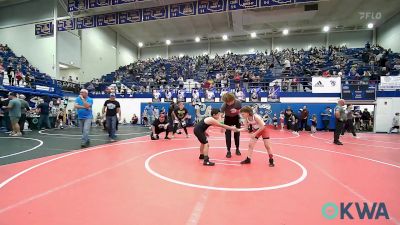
(44, 29)
(358, 92)
(85, 22)
(156, 13)
(269, 3)
(261, 108)
(64, 25)
(131, 16)
(76, 5)
(211, 6)
(183, 9)
(98, 3)
(242, 4)
(106, 19)
(162, 12)
(119, 2)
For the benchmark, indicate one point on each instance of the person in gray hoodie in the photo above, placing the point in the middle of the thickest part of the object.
(395, 123)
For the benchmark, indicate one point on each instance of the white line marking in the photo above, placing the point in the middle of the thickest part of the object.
(227, 164)
(28, 150)
(224, 160)
(79, 135)
(341, 153)
(200, 205)
(247, 189)
(351, 190)
(370, 145)
(73, 182)
(5, 182)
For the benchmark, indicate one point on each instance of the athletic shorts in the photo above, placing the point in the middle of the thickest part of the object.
(14, 119)
(201, 136)
(232, 121)
(264, 133)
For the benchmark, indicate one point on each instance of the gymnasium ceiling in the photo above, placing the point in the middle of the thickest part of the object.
(338, 14)
(4, 3)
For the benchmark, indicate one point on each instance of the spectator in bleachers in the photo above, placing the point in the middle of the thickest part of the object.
(10, 74)
(1, 74)
(19, 77)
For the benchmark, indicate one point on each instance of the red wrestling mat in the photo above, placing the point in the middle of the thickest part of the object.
(139, 181)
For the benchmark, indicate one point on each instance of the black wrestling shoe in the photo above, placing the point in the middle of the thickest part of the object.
(338, 143)
(238, 152)
(201, 156)
(246, 161)
(208, 163)
(271, 162)
(228, 154)
(167, 138)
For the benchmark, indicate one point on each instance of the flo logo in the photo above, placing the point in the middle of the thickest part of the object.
(351, 210)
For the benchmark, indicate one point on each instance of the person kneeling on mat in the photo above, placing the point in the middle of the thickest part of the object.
(160, 125)
(256, 126)
(200, 133)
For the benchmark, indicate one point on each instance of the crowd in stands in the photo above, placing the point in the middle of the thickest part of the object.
(291, 68)
(17, 71)
(36, 112)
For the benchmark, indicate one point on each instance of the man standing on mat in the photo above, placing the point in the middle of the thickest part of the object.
(83, 106)
(341, 117)
(231, 110)
(14, 112)
(349, 125)
(326, 117)
(111, 107)
(180, 114)
(24, 108)
(303, 118)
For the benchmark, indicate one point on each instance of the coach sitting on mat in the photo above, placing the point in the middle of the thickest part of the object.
(160, 125)
(341, 117)
(231, 110)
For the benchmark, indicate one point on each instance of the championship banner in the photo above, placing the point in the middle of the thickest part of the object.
(183, 9)
(358, 92)
(390, 83)
(132, 16)
(156, 13)
(326, 85)
(211, 6)
(68, 86)
(76, 5)
(44, 29)
(270, 3)
(98, 3)
(242, 4)
(120, 2)
(64, 25)
(85, 22)
(106, 19)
